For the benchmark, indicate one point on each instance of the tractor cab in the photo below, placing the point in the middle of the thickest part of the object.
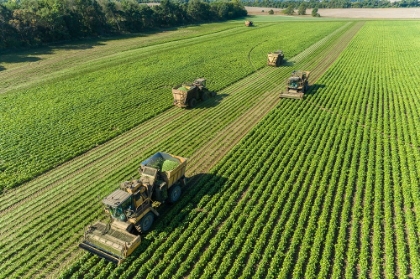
(119, 204)
(294, 82)
(200, 82)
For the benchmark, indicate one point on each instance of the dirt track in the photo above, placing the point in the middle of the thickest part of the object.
(383, 13)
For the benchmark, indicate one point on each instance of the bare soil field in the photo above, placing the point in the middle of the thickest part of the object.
(385, 13)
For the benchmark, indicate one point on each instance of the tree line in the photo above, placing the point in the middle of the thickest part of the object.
(36, 22)
(331, 3)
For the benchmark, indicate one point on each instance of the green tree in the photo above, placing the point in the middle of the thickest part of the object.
(113, 13)
(289, 10)
(198, 10)
(8, 35)
(302, 9)
(271, 12)
(132, 16)
(315, 12)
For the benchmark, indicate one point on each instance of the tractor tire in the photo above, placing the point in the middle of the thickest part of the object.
(192, 102)
(174, 193)
(204, 96)
(145, 223)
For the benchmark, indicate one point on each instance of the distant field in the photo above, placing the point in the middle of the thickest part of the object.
(363, 13)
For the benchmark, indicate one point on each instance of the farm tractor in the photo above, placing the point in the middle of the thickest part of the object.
(187, 95)
(275, 58)
(249, 23)
(132, 208)
(297, 85)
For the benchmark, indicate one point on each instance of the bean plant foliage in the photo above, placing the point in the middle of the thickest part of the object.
(48, 247)
(50, 123)
(325, 187)
(330, 191)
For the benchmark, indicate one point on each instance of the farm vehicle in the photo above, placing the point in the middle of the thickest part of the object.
(132, 208)
(187, 95)
(297, 85)
(249, 23)
(275, 58)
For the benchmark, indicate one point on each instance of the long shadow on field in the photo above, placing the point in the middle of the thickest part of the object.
(18, 58)
(287, 63)
(80, 45)
(314, 88)
(32, 55)
(211, 102)
(174, 219)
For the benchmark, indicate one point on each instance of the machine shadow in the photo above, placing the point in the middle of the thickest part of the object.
(314, 88)
(287, 63)
(211, 102)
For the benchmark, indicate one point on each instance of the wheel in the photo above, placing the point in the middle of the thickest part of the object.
(146, 222)
(174, 193)
(193, 102)
(204, 96)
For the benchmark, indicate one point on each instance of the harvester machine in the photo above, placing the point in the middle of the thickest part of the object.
(187, 95)
(275, 58)
(132, 208)
(249, 23)
(297, 85)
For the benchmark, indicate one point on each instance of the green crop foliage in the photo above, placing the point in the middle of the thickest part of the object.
(326, 187)
(321, 188)
(54, 121)
(65, 200)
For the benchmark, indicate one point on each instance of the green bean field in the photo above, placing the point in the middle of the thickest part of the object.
(324, 187)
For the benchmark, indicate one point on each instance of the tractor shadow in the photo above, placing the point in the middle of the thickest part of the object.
(174, 217)
(287, 63)
(211, 102)
(314, 88)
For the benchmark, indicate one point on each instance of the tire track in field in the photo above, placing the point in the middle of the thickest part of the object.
(203, 159)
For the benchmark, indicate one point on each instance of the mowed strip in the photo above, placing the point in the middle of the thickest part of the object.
(95, 177)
